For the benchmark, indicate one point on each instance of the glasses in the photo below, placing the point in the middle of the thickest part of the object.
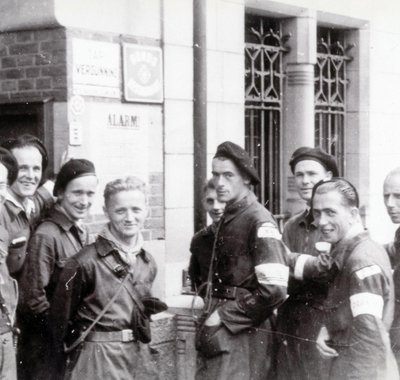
(336, 180)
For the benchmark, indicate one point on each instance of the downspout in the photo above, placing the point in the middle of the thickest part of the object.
(199, 110)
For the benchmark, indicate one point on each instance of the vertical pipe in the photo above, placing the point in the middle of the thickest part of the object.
(199, 109)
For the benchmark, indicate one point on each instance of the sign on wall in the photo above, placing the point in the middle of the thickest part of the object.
(143, 79)
(96, 68)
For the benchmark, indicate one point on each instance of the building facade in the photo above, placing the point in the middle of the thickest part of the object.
(151, 87)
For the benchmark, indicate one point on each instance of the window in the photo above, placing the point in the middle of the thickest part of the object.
(330, 93)
(263, 104)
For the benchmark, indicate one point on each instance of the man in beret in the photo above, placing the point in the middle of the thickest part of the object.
(8, 286)
(248, 274)
(58, 237)
(26, 201)
(300, 316)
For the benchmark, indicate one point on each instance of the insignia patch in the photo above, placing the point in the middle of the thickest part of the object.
(368, 271)
(268, 230)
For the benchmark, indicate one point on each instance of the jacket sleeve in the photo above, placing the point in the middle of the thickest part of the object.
(37, 273)
(194, 268)
(269, 255)
(43, 200)
(366, 349)
(67, 297)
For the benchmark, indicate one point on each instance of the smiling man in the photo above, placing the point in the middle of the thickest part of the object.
(301, 314)
(58, 237)
(103, 299)
(26, 202)
(248, 276)
(360, 301)
(202, 242)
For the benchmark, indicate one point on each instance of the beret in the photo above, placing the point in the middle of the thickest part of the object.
(240, 158)
(28, 140)
(72, 169)
(11, 164)
(316, 154)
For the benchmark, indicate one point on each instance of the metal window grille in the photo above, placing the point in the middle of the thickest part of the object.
(330, 93)
(263, 104)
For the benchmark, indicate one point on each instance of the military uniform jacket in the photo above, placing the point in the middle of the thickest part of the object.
(251, 256)
(300, 235)
(360, 310)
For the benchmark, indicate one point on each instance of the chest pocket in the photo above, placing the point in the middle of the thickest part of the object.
(17, 254)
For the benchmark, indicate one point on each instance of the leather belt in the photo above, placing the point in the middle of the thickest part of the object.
(224, 291)
(111, 336)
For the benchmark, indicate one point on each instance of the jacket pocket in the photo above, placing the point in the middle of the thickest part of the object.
(212, 341)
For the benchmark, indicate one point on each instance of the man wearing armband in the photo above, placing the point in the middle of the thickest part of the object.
(248, 277)
(360, 302)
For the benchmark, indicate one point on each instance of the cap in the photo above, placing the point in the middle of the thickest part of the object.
(240, 158)
(9, 161)
(316, 154)
(72, 169)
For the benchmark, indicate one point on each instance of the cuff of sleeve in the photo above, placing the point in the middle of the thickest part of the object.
(299, 266)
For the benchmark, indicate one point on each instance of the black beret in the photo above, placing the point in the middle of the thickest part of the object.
(11, 164)
(72, 169)
(240, 158)
(28, 140)
(316, 154)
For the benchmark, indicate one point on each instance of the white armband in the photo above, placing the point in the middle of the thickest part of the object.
(366, 303)
(272, 274)
(299, 266)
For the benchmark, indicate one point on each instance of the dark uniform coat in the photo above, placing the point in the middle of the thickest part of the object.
(359, 308)
(85, 287)
(301, 315)
(249, 281)
(55, 240)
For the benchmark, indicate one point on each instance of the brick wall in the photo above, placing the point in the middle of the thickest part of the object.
(33, 65)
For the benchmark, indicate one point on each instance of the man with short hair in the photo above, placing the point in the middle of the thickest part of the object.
(202, 242)
(360, 301)
(300, 316)
(248, 276)
(26, 200)
(102, 303)
(58, 237)
(8, 286)
(391, 197)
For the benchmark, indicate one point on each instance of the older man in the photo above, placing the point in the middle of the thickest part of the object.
(301, 315)
(248, 276)
(391, 197)
(360, 302)
(58, 237)
(102, 303)
(203, 241)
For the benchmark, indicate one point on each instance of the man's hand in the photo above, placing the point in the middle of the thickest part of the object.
(325, 351)
(213, 319)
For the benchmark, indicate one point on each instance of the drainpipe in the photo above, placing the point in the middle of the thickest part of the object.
(199, 110)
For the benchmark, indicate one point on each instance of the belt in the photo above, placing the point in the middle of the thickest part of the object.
(111, 336)
(224, 291)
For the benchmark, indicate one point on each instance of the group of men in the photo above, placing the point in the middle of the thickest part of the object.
(317, 302)
(75, 307)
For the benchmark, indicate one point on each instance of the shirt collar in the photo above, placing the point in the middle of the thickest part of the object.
(342, 250)
(60, 217)
(28, 206)
(306, 218)
(239, 206)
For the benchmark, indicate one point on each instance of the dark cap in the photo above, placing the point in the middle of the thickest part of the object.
(11, 164)
(315, 154)
(74, 168)
(28, 140)
(240, 158)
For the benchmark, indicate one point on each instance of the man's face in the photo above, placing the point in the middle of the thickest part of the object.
(127, 211)
(3, 183)
(212, 205)
(228, 181)
(30, 171)
(333, 218)
(78, 197)
(307, 173)
(391, 197)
